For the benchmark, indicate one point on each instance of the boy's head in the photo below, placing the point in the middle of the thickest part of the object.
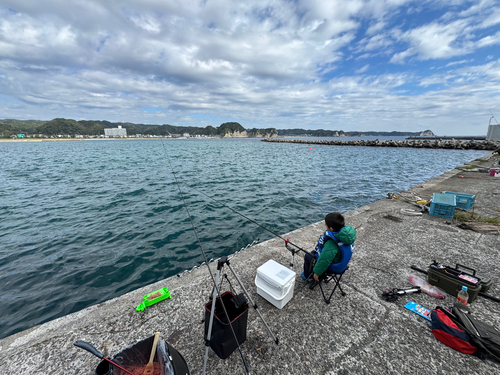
(335, 221)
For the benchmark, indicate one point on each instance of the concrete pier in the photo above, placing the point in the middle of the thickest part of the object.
(357, 334)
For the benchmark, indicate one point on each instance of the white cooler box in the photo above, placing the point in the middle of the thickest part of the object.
(275, 283)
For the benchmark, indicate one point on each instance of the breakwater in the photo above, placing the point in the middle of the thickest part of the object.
(452, 144)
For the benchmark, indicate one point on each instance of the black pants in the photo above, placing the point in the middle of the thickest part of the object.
(309, 261)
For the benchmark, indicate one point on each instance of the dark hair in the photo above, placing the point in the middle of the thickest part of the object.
(335, 220)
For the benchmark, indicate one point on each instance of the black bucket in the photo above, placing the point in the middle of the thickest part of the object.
(222, 340)
(170, 360)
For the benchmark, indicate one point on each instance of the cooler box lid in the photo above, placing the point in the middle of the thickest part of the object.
(275, 275)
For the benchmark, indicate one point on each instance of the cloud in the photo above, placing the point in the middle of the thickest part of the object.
(434, 41)
(363, 69)
(267, 63)
(458, 62)
(489, 40)
(378, 43)
(454, 34)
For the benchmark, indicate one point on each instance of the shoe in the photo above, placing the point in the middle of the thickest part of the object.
(303, 276)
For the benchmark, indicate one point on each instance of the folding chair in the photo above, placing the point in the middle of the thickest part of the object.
(335, 273)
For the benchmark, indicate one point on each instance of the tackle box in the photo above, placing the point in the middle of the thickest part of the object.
(452, 279)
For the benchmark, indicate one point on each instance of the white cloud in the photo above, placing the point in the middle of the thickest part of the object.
(458, 62)
(489, 40)
(376, 43)
(363, 69)
(434, 41)
(492, 20)
(375, 28)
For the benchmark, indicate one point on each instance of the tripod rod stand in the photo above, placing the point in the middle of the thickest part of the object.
(220, 264)
(294, 251)
(254, 305)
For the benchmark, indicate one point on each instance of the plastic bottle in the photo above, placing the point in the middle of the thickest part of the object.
(463, 296)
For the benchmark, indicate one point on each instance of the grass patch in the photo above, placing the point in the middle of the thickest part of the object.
(465, 216)
(472, 166)
(482, 160)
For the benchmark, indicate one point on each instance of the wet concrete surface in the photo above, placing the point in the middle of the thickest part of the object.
(359, 333)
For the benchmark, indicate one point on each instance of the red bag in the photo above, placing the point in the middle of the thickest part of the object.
(446, 330)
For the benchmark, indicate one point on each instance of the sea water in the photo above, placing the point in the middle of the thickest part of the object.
(85, 221)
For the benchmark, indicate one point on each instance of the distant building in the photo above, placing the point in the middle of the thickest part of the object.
(115, 132)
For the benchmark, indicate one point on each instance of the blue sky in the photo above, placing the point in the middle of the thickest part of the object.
(354, 65)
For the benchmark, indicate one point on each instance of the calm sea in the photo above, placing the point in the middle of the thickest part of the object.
(83, 222)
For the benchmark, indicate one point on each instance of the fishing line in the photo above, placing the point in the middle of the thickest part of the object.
(287, 240)
(187, 210)
(206, 261)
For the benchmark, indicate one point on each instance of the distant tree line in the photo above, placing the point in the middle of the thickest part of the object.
(11, 126)
(61, 126)
(340, 133)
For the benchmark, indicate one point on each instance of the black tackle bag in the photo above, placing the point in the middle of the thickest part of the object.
(222, 339)
(484, 336)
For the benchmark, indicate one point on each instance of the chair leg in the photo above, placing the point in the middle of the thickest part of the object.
(327, 301)
(337, 285)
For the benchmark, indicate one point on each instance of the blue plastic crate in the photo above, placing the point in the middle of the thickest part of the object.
(443, 205)
(464, 201)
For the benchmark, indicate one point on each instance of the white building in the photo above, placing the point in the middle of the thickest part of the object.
(115, 132)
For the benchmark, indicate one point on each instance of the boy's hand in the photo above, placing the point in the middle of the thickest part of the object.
(316, 277)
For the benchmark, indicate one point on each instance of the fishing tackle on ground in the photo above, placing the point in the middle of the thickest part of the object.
(393, 294)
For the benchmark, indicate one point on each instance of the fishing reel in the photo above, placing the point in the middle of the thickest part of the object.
(392, 295)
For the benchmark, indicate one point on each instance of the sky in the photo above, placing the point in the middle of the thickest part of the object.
(352, 65)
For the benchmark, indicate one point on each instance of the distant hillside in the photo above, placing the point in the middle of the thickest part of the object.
(12, 126)
(341, 133)
(61, 126)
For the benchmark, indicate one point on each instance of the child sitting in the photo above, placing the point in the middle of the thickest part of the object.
(327, 250)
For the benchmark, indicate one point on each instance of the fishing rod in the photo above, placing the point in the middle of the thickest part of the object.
(294, 250)
(216, 289)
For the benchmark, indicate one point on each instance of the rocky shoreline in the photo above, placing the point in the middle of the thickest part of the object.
(452, 144)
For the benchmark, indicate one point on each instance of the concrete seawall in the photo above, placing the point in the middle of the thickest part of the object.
(356, 334)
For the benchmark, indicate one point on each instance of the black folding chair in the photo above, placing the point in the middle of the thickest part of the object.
(335, 273)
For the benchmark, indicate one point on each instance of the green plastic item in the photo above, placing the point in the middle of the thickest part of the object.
(149, 300)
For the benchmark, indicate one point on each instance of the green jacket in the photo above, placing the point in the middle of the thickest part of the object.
(331, 252)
